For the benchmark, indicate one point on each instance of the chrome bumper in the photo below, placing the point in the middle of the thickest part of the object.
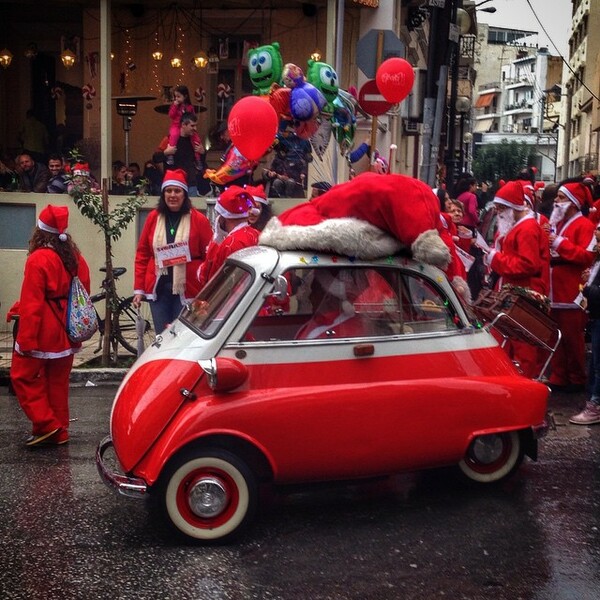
(133, 487)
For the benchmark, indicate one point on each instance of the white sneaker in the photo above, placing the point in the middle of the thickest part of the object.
(588, 416)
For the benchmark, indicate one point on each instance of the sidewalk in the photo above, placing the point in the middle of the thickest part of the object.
(80, 374)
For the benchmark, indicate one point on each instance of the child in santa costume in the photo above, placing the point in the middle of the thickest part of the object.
(43, 354)
(232, 230)
(571, 252)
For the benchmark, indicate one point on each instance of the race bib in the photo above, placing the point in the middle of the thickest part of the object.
(173, 254)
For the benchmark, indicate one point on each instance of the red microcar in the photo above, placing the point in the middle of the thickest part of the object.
(294, 367)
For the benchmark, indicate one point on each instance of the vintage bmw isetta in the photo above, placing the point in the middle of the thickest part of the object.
(294, 367)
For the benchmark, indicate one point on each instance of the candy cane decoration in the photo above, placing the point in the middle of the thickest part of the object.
(88, 91)
(200, 95)
(57, 92)
(223, 92)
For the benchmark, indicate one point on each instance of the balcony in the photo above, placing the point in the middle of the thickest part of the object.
(520, 107)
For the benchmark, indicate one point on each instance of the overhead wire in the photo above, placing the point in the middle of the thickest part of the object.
(575, 75)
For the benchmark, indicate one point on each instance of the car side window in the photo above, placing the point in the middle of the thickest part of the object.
(332, 303)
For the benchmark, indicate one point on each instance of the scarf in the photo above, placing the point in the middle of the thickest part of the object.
(160, 239)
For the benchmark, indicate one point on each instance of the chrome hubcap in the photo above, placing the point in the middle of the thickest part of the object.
(208, 497)
(487, 449)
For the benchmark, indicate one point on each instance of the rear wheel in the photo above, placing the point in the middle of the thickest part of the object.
(492, 457)
(126, 332)
(209, 495)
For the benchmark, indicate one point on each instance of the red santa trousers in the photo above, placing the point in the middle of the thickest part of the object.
(568, 363)
(42, 389)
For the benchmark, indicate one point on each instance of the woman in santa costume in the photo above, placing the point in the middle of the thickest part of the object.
(43, 354)
(571, 252)
(232, 230)
(521, 259)
(170, 250)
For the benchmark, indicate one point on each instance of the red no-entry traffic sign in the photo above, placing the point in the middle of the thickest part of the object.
(371, 100)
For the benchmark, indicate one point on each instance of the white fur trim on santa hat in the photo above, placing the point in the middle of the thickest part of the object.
(431, 249)
(567, 192)
(346, 236)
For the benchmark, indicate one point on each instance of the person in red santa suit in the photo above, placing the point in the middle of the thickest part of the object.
(43, 354)
(571, 252)
(171, 248)
(232, 230)
(521, 259)
(332, 296)
(261, 202)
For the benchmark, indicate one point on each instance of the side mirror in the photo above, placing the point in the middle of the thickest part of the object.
(280, 287)
(224, 374)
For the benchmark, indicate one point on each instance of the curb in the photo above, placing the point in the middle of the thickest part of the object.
(82, 377)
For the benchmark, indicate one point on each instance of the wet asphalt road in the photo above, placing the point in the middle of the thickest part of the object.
(63, 534)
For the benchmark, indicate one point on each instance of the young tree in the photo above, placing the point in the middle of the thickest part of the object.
(502, 161)
(92, 203)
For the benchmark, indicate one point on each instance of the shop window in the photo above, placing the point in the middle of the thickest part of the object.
(16, 224)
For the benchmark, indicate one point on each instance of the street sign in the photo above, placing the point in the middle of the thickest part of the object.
(371, 100)
(366, 50)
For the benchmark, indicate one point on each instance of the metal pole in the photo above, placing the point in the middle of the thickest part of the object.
(451, 139)
(567, 134)
(429, 104)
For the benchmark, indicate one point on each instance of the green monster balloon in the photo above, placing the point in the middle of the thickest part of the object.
(325, 79)
(265, 67)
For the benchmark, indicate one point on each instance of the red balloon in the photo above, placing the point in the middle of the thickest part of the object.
(395, 78)
(252, 125)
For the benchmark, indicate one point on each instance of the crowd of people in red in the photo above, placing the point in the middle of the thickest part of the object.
(179, 250)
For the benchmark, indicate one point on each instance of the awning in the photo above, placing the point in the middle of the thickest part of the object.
(483, 125)
(485, 100)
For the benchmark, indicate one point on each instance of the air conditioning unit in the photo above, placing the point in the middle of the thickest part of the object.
(411, 126)
(412, 106)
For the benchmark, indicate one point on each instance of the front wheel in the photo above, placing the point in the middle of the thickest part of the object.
(127, 328)
(209, 495)
(492, 457)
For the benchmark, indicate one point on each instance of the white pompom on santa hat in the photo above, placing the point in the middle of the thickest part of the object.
(511, 194)
(55, 219)
(235, 203)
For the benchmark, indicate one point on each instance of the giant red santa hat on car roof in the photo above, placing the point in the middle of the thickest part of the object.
(370, 216)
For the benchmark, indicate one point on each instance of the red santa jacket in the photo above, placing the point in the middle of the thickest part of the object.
(43, 305)
(571, 254)
(145, 263)
(243, 236)
(524, 258)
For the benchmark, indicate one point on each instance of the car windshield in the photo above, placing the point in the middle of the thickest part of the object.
(213, 305)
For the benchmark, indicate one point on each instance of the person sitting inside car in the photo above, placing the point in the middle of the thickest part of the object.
(331, 296)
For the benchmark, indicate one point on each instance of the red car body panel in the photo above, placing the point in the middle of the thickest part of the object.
(361, 405)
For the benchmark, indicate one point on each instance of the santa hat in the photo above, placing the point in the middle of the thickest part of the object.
(177, 178)
(539, 185)
(258, 193)
(81, 169)
(55, 219)
(578, 193)
(369, 216)
(588, 178)
(235, 203)
(528, 191)
(511, 194)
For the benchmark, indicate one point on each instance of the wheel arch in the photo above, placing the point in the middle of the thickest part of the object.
(253, 456)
